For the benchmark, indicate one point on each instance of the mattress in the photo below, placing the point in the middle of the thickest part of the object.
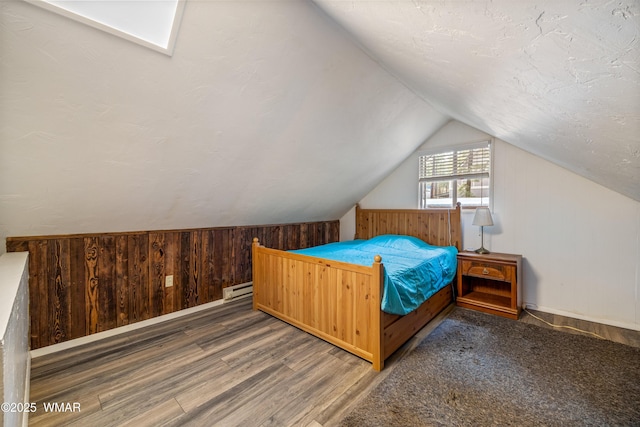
(413, 269)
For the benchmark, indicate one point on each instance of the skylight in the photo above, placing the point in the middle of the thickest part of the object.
(151, 23)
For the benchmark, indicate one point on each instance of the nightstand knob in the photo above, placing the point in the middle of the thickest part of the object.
(485, 271)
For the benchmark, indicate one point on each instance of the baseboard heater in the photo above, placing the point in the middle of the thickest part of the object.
(237, 291)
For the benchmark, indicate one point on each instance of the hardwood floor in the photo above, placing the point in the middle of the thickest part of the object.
(224, 366)
(228, 365)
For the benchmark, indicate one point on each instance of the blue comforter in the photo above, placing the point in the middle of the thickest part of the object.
(413, 269)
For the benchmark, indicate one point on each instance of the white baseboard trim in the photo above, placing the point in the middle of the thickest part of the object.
(122, 329)
(624, 325)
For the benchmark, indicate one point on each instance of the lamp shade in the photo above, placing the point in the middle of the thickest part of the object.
(482, 216)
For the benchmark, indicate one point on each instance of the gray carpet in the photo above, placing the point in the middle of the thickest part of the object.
(476, 369)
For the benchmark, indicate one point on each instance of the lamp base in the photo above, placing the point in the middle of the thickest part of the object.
(482, 250)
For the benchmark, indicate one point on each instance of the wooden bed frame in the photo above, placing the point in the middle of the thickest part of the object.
(340, 302)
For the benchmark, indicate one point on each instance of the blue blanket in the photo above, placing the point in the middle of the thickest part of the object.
(413, 269)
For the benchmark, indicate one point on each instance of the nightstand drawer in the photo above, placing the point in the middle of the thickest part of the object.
(488, 270)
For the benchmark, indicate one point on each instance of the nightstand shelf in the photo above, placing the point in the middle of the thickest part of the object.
(486, 299)
(490, 283)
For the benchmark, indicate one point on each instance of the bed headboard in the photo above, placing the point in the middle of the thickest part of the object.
(440, 227)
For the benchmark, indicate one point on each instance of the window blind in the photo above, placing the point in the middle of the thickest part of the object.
(468, 163)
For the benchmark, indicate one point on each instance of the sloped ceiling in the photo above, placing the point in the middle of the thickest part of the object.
(267, 112)
(284, 111)
(560, 79)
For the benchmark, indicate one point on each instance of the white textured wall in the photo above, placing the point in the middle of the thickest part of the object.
(580, 241)
(14, 333)
(266, 113)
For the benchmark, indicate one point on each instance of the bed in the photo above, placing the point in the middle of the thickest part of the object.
(341, 302)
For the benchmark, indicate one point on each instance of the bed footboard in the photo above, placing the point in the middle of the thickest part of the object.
(335, 301)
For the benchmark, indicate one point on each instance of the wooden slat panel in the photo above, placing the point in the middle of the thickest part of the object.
(106, 284)
(216, 280)
(189, 286)
(242, 254)
(363, 313)
(276, 237)
(37, 303)
(138, 277)
(308, 292)
(200, 263)
(294, 281)
(277, 295)
(53, 288)
(173, 294)
(53, 282)
(292, 237)
(122, 280)
(330, 298)
(77, 289)
(60, 305)
(344, 301)
(91, 283)
(304, 236)
(81, 284)
(223, 257)
(206, 266)
(18, 245)
(312, 233)
(156, 274)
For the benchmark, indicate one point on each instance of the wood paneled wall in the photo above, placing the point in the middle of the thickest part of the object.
(83, 284)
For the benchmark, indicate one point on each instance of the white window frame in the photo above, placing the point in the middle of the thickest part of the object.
(486, 200)
(69, 13)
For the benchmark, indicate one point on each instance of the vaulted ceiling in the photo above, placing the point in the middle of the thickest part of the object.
(560, 79)
(294, 110)
(267, 112)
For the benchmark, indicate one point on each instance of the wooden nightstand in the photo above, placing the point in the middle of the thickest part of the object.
(490, 283)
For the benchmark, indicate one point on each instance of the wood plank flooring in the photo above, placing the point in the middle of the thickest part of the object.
(228, 365)
(224, 366)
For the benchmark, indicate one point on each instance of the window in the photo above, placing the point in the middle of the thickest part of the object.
(150, 23)
(461, 175)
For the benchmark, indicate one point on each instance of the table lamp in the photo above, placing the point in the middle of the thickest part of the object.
(482, 217)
